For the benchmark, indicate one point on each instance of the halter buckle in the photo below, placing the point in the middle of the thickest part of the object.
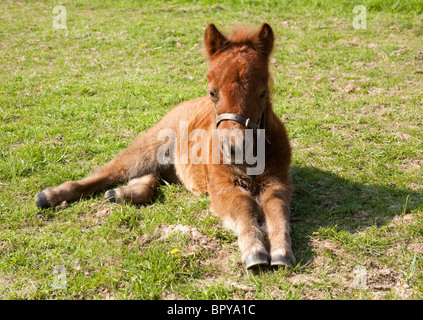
(246, 122)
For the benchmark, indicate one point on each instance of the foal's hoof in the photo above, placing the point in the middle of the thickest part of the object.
(41, 200)
(110, 195)
(281, 260)
(256, 259)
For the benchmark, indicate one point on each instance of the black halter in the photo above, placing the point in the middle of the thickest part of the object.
(247, 123)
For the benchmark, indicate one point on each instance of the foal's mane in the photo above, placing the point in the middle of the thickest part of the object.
(246, 35)
(241, 34)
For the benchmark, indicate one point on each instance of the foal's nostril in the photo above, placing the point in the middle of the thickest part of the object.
(233, 149)
(230, 149)
(237, 153)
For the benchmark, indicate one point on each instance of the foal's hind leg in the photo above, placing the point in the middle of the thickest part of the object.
(74, 190)
(138, 190)
(139, 159)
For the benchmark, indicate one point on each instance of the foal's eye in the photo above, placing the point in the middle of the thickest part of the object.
(264, 94)
(212, 94)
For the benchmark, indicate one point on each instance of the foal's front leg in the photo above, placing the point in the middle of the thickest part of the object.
(239, 212)
(275, 201)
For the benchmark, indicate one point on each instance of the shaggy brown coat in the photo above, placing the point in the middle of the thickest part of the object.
(256, 208)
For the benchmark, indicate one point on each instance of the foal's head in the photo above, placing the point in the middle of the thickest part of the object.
(238, 76)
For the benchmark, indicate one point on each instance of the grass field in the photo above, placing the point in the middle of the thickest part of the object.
(71, 99)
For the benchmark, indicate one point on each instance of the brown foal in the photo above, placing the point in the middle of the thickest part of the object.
(254, 205)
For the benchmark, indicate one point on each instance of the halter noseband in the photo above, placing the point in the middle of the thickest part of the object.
(240, 119)
(247, 123)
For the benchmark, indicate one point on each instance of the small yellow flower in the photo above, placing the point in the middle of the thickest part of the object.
(174, 251)
(143, 44)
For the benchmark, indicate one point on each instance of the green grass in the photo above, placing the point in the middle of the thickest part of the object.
(72, 99)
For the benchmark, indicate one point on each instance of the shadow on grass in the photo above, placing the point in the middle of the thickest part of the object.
(323, 199)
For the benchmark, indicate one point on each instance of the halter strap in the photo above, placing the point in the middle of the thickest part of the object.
(240, 119)
(247, 123)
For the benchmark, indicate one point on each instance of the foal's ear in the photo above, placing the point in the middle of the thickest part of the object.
(265, 39)
(214, 40)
